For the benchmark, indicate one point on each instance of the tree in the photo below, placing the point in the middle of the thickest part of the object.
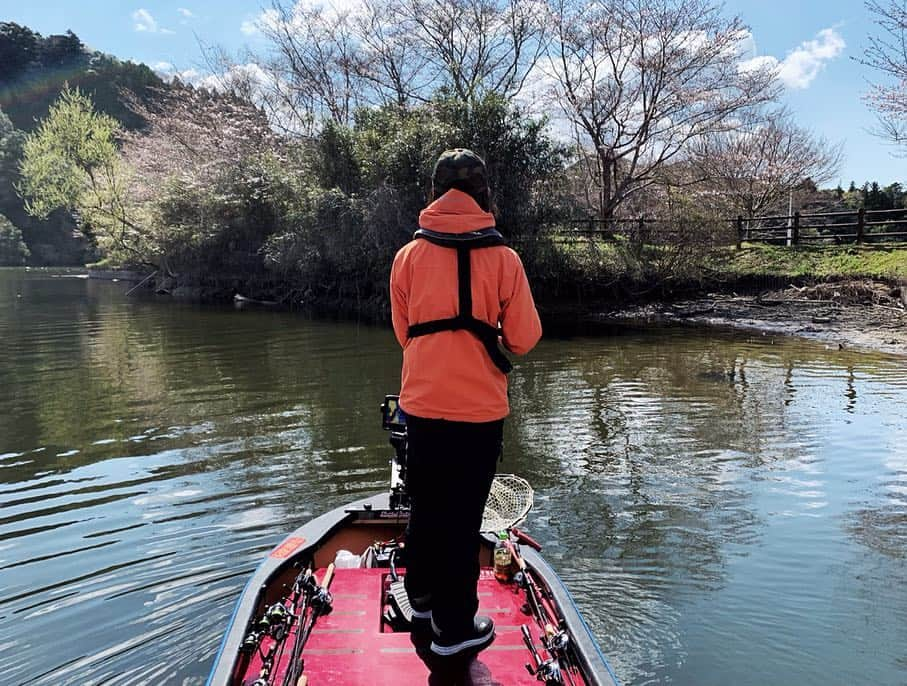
(477, 47)
(767, 157)
(207, 176)
(71, 162)
(313, 70)
(641, 80)
(11, 143)
(397, 71)
(887, 54)
(326, 62)
(18, 48)
(57, 50)
(13, 251)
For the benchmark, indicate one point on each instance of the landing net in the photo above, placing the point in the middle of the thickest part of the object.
(509, 501)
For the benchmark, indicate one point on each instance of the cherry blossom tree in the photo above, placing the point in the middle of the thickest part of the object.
(887, 54)
(756, 165)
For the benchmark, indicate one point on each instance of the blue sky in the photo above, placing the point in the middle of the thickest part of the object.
(813, 43)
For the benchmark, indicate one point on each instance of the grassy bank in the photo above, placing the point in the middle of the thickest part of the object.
(820, 262)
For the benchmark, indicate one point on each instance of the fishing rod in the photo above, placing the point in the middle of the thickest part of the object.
(320, 602)
(302, 591)
(553, 637)
(534, 596)
(275, 623)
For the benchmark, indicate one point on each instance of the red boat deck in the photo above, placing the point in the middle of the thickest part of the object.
(350, 646)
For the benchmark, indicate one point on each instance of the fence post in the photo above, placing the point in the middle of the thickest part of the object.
(739, 231)
(796, 227)
(861, 224)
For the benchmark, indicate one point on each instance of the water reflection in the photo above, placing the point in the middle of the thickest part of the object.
(703, 494)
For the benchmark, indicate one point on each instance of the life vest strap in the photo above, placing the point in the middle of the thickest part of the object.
(464, 243)
(480, 238)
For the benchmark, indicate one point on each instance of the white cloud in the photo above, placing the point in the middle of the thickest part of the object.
(250, 73)
(185, 12)
(271, 18)
(803, 64)
(168, 72)
(268, 19)
(761, 62)
(746, 44)
(193, 76)
(145, 23)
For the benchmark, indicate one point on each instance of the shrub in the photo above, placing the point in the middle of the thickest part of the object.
(13, 251)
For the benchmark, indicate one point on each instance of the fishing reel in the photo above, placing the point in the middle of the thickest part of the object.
(319, 597)
(322, 600)
(547, 671)
(556, 641)
(275, 622)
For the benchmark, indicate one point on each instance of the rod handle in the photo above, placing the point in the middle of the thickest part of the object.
(328, 576)
(523, 537)
(520, 562)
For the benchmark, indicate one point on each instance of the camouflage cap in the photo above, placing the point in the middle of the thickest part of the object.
(459, 167)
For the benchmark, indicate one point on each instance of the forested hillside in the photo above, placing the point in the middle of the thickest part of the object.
(33, 72)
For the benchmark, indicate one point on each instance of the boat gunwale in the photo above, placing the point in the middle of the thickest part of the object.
(313, 533)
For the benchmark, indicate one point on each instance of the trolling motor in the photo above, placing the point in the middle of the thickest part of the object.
(393, 419)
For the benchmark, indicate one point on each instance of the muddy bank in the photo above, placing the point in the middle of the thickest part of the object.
(870, 315)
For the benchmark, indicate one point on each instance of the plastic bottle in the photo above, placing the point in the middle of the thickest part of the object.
(503, 559)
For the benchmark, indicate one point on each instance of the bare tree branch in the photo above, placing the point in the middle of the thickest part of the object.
(644, 79)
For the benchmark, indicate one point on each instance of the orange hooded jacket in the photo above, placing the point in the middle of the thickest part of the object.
(449, 374)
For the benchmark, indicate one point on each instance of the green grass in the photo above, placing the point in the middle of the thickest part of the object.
(804, 261)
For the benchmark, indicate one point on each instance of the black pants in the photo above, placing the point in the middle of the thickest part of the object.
(450, 469)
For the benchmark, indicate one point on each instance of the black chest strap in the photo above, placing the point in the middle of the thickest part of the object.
(464, 244)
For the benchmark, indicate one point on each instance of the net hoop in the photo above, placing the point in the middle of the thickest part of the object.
(509, 501)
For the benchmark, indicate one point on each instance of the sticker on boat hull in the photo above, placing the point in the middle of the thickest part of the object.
(287, 548)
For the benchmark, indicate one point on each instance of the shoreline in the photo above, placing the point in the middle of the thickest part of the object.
(859, 315)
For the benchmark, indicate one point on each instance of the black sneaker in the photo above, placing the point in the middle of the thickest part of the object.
(447, 643)
(413, 613)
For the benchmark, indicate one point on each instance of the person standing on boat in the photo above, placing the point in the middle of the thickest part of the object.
(457, 294)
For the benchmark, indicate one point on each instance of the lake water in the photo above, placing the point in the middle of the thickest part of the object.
(726, 508)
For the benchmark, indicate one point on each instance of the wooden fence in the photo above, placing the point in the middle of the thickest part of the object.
(817, 228)
(853, 226)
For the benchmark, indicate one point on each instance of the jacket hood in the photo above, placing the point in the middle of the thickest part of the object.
(455, 212)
